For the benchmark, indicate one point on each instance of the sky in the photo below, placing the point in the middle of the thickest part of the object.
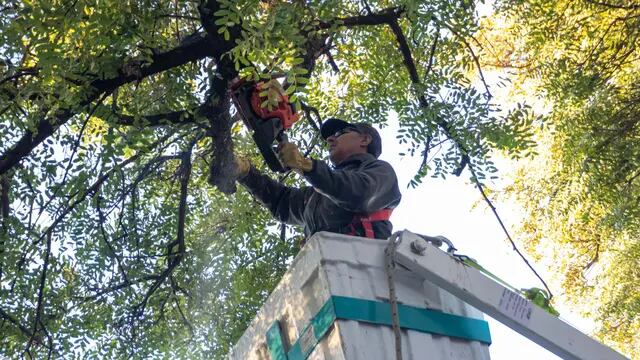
(454, 208)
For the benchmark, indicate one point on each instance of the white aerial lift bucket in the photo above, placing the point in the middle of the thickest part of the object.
(333, 303)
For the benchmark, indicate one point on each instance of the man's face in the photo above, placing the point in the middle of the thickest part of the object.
(346, 142)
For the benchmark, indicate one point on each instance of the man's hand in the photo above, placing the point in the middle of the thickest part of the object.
(242, 167)
(291, 157)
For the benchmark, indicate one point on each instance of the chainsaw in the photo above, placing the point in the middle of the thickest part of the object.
(268, 124)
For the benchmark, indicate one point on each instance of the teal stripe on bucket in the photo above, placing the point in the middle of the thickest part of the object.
(413, 318)
(376, 312)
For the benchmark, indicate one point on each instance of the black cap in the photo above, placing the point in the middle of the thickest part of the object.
(330, 126)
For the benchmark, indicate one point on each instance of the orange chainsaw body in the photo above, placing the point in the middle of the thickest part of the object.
(268, 125)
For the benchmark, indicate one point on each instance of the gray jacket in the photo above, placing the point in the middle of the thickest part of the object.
(360, 185)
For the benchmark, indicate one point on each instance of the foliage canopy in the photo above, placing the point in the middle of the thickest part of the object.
(121, 230)
(581, 195)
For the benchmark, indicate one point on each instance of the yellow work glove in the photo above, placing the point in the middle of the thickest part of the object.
(242, 167)
(291, 157)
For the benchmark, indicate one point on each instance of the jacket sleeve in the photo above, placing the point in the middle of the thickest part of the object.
(285, 203)
(372, 186)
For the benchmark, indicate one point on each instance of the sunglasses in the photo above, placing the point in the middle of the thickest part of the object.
(344, 130)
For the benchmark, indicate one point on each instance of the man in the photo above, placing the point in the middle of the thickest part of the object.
(355, 197)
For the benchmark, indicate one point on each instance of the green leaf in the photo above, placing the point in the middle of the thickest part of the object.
(221, 13)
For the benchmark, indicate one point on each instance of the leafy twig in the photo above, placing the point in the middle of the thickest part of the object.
(117, 287)
(488, 94)
(432, 53)
(184, 319)
(112, 251)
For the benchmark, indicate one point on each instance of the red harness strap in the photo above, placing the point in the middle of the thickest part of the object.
(366, 220)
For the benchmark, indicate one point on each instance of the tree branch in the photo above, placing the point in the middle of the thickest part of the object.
(193, 48)
(432, 53)
(89, 192)
(310, 112)
(43, 280)
(220, 122)
(464, 161)
(207, 8)
(184, 319)
(174, 258)
(25, 331)
(178, 117)
(19, 74)
(182, 207)
(613, 6)
(595, 257)
(120, 286)
(384, 16)
(409, 63)
(405, 51)
(5, 211)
